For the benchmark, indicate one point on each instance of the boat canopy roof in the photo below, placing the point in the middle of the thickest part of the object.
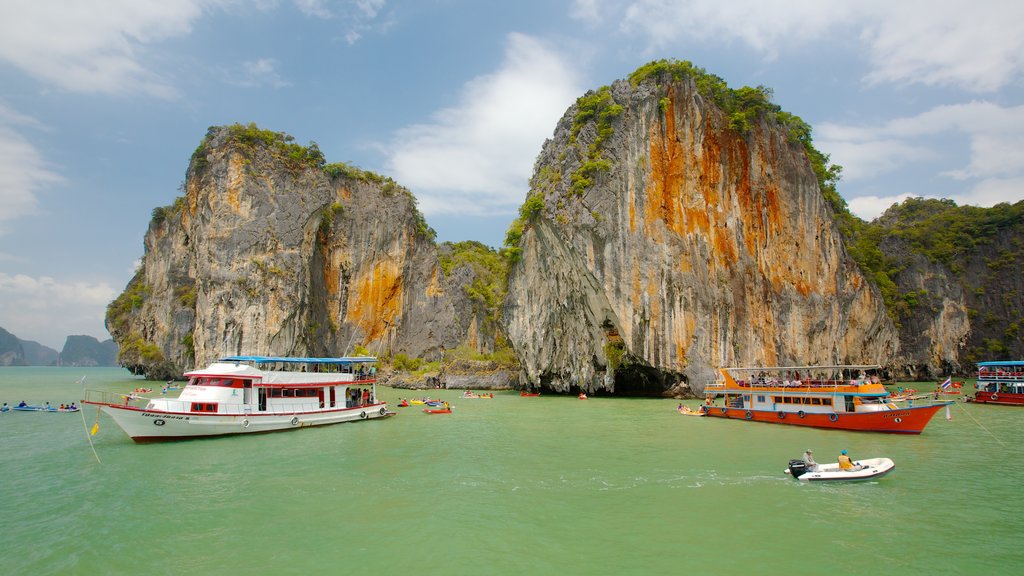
(816, 367)
(1004, 363)
(344, 360)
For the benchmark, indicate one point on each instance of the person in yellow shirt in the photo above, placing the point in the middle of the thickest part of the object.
(846, 464)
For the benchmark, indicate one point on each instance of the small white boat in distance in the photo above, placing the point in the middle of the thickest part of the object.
(246, 394)
(868, 469)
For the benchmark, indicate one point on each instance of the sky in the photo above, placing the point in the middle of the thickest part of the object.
(102, 103)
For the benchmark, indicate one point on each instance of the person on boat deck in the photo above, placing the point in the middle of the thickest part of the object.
(846, 464)
(809, 458)
(22, 404)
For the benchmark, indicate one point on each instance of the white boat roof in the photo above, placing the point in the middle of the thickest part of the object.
(297, 360)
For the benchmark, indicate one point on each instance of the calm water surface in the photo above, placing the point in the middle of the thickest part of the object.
(548, 485)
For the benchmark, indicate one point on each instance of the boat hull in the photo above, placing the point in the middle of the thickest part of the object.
(144, 426)
(870, 469)
(910, 420)
(1000, 398)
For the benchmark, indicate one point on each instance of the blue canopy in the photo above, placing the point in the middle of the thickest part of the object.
(1005, 363)
(294, 360)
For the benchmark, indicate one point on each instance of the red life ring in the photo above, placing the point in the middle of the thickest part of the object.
(994, 397)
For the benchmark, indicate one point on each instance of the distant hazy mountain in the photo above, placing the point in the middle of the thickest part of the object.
(78, 351)
(88, 351)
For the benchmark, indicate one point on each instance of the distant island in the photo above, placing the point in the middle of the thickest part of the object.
(78, 351)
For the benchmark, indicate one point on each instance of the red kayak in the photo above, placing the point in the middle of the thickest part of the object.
(529, 394)
(441, 411)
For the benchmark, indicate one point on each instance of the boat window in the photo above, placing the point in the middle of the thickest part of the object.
(203, 407)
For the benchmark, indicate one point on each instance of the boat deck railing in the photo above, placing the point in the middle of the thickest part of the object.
(815, 385)
(993, 375)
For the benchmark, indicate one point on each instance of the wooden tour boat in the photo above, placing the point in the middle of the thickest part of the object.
(842, 397)
(246, 394)
(1000, 383)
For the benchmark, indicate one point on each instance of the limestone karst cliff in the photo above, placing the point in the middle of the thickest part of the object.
(271, 251)
(665, 235)
(951, 277)
(672, 225)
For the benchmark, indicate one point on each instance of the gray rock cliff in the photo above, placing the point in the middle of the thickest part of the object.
(660, 243)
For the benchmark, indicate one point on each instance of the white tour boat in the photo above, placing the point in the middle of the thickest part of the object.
(245, 394)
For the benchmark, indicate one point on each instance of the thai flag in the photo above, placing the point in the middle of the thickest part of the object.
(947, 383)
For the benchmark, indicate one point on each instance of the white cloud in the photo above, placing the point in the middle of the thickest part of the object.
(871, 207)
(992, 191)
(477, 157)
(586, 10)
(976, 46)
(314, 8)
(972, 45)
(82, 47)
(47, 310)
(995, 135)
(256, 73)
(23, 172)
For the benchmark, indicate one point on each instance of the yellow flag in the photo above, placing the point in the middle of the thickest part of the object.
(95, 428)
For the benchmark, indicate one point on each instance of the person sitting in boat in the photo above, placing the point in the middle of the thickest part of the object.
(846, 464)
(62, 406)
(809, 459)
(22, 404)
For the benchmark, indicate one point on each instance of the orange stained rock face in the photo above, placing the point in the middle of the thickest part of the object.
(236, 177)
(376, 301)
(667, 175)
(434, 287)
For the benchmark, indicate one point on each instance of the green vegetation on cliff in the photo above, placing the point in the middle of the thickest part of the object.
(946, 234)
(490, 272)
(388, 187)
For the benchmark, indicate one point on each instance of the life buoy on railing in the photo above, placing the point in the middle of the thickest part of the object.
(724, 409)
(383, 410)
(245, 422)
(748, 415)
(994, 397)
(295, 421)
(833, 417)
(801, 414)
(362, 414)
(782, 415)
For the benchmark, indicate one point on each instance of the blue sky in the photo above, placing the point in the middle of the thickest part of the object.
(103, 101)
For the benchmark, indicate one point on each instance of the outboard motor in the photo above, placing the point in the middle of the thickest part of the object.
(797, 468)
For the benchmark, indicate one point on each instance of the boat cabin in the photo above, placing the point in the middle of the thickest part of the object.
(275, 385)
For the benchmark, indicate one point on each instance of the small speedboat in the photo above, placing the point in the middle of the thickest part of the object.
(865, 469)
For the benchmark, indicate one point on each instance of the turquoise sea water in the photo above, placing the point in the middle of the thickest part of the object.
(548, 485)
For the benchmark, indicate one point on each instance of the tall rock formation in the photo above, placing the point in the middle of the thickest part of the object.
(665, 235)
(272, 252)
(952, 275)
